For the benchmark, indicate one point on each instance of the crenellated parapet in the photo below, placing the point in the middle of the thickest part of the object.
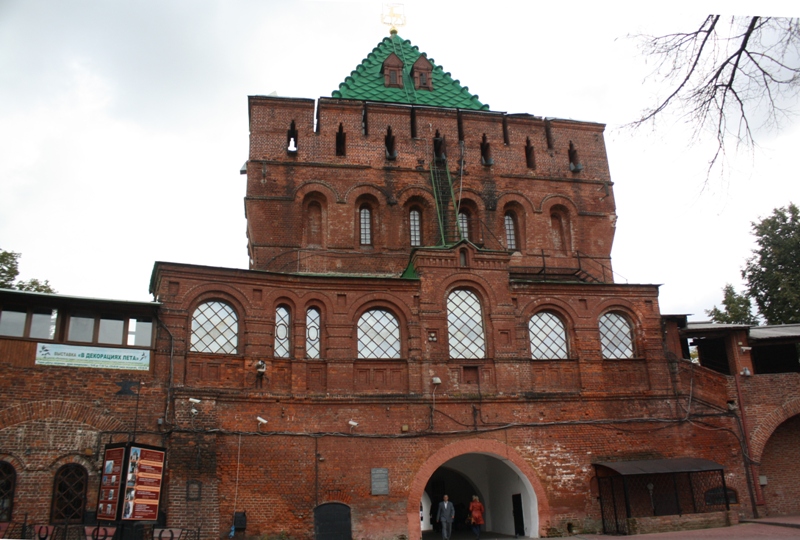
(334, 180)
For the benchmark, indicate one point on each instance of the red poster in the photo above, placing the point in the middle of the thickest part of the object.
(111, 483)
(142, 484)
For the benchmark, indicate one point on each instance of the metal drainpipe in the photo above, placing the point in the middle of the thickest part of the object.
(170, 387)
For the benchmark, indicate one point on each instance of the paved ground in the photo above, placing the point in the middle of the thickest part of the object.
(771, 527)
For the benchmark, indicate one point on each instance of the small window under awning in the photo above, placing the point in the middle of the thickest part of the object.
(661, 466)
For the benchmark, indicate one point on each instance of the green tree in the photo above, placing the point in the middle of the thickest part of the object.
(737, 308)
(773, 272)
(9, 270)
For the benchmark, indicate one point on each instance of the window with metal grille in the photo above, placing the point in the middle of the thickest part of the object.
(69, 494)
(463, 224)
(548, 337)
(511, 232)
(313, 319)
(414, 227)
(365, 221)
(465, 325)
(215, 329)
(378, 335)
(8, 481)
(616, 337)
(282, 326)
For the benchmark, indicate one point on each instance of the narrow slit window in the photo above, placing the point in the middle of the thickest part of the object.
(341, 141)
(530, 157)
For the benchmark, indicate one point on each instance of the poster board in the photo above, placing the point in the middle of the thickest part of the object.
(131, 483)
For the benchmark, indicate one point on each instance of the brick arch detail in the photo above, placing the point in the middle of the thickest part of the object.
(474, 446)
(67, 410)
(310, 187)
(767, 426)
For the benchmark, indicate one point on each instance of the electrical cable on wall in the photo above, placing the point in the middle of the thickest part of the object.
(236, 489)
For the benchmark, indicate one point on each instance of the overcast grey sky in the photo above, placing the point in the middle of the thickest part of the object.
(123, 126)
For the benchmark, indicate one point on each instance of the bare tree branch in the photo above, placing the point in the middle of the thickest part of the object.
(730, 83)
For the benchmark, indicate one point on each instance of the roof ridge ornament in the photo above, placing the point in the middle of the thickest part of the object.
(393, 15)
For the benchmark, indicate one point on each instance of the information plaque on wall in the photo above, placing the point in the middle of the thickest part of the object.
(130, 487)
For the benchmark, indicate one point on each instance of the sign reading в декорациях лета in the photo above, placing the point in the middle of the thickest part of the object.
(54, 354)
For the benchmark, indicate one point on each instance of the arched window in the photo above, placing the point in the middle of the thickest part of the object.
(69, 494)
(415, 228)
(616, 336)
(215, 328)
(8, 482)
(465, 325)
(365, 225)
(313, 321)
(511, 231)
(282, 333)
(463, 225)
(378, 335)
(314, 224)
(548, 337)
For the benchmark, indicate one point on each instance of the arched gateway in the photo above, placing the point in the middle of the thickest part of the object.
(499, 474)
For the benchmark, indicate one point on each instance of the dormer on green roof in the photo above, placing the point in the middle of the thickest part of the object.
(396, 72)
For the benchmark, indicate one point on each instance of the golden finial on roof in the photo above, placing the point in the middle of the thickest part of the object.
(393, 16)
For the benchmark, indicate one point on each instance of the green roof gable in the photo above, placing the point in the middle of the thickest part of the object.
(366, 82)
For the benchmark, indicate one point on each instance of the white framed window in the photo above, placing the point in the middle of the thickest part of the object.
(465, 325)
(548, 337)
(365, 225)
(378, 335)
(215, 329)
(616, 336)
(415, 231)
(511, 231)
(463, 225)
(313, 327)
(282, 332)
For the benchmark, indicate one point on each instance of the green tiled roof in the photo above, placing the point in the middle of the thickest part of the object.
(366, 82)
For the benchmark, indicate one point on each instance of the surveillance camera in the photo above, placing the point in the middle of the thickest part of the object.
(353, 423)
(193, 411)
(261, 420)
(194, 400)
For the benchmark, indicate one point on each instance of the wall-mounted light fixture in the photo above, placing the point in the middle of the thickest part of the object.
(435, 381)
